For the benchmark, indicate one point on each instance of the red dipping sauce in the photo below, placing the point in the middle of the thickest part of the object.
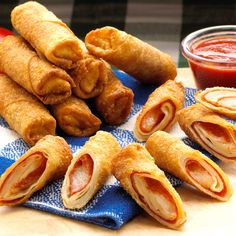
(211, 53)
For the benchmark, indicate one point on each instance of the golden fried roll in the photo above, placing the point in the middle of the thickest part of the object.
(47, 160)
(219, 99)
(90, 75)
(134, 167)
(23, 112)
(159, 112)
(47, 34)
(89, 170)
(115, 102)
(48, 83)
(190, 165)
(139, 59)
(211, 131)
(75, 118)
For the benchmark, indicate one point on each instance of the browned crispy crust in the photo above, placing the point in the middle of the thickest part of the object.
(23, 112)
(139, 59)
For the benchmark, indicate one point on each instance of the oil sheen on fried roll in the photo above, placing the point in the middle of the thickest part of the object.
(190, 165)
(75, 118)
(47, 160)
(211, 131)
(47, 34)
(48, 83)
(115, 102)
(23, 112)
(219, 99)
(89, 75)
(159, 112)
(89, 170)
(130, 54)
(134, 167)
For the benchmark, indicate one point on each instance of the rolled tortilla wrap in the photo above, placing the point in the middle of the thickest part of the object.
(48, 83)
(219, 99)
(134, 167)
(89, 170)
(159, 112)
(23, 112)
(211, 131)
(47, 160)
(190, 165)
(75, 118)
(47, 34)
(130, 54)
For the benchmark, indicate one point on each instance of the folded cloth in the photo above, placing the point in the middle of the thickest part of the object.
(111, 207)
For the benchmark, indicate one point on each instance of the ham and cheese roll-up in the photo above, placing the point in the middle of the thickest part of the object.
(47, 34)
(115, 102)
(219, 99)
(159, 112)
(89, 170)
(134, 167)
(130, 54)
(48, 83)
(75, 118)
(190, 165)
(47, 160)
(90, 75)
(211, 131)
(23, 112)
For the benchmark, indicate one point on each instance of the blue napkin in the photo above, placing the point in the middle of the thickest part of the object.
(111, 207)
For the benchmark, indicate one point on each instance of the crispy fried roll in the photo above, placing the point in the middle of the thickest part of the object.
(115, 102)
(212, 132)
(23, 112)
(159, 112)
(89, 170)
(134, 167)
(47, 34)
(219, 99)
(190, 165)
(146, 63)
(46, 161)
(48, 83)
(90, 75)
(75, 118)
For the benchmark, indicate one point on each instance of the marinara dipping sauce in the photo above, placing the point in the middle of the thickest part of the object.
(211, 53)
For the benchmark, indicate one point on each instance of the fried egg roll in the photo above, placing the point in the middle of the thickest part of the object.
(219, 99)
(209, 130)
(46, 161)
(159, 112)
(23, 112)
(89, 170)
(190, 165)
(47, 34)
(134, 167)
(90, 75)
(115, 102)
(75, 118)
(48, 83)
(130, 54)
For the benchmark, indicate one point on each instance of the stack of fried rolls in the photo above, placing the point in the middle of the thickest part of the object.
(23, 112)
(134, 167)
(130, 54)
(159, 112)
(50, 37)
(89, 170)
(210, 130)
(47, 160)
(75, 118)
(190, 165)
(48, 83)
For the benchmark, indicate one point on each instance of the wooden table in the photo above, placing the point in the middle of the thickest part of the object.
(205, 215)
